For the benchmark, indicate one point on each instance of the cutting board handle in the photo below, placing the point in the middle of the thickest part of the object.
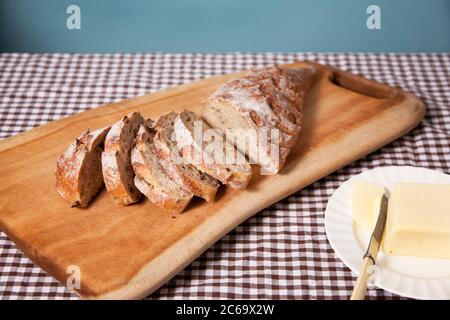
(363, 86)
(357, 83)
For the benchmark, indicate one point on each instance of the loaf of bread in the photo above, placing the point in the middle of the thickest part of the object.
(178, 169)
(210, 152)
(79, 168)
(118, 172)
(258, 115)
(151, 179)
(261, 113)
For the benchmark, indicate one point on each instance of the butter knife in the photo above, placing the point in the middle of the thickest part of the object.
(359, 291)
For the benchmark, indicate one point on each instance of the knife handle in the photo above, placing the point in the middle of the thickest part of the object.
(359, 291)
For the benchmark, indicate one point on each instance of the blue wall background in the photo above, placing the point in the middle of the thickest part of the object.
(224, 25)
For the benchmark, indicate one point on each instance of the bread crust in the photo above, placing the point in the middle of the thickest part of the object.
(116, 160)
(80, 161)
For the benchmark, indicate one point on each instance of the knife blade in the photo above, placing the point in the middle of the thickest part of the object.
(371, 254)
(377, 234)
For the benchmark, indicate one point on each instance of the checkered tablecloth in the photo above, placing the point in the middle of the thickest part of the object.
(280, 253)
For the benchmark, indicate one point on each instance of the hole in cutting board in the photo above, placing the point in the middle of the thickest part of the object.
(362, 86)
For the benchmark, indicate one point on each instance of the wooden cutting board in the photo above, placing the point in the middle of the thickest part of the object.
(128, 252)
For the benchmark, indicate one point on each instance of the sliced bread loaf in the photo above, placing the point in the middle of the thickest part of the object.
(118, 172)
(210, 152)
(79, 168)
(261, 113)
(184, 174)
(151, 179)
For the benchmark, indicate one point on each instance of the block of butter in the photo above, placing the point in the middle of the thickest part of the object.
(418, 221)
(366, 200)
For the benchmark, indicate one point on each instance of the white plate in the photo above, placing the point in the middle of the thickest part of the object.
(414, 277)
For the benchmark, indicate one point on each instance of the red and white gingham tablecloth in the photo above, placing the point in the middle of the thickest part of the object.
(280, 253)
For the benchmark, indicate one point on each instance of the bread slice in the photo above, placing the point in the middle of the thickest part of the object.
(118, 172)
(210, 152)
(79, 168)
(151, 179)
(177, 168)
(261, 113)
